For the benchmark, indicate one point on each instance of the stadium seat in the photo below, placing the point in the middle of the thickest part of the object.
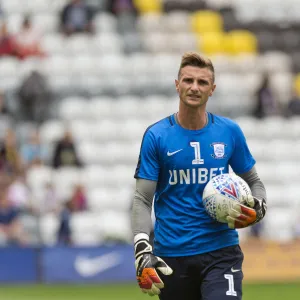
(127, 106)
(149, 23)
(116, 231)
(105, 23)
(93, 176)
(106, 130)
(148, 6)
(37, 177)
(29, 65)
(72, 108)
(177, 22)
(12, 6)
(30, 226)
(51, 131)
(107, 43)
(8, 66)
(212, 43)
(117, 199)
(48, 229)
(156, 42)
(83, 65)
(46, 22)
(88, 151)
(122, 175)
(276, 61)
(64, 180)
(112, 64)
(282, 85)
(204, 21)
(57, 65)
(99, 108)
(240, 42)
(53, 43)
(279, 224)
(85, 229)
(276, 196)
(183, 42)
(297, 84)
(77, 44)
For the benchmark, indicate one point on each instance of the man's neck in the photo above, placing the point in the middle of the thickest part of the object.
(192, 119)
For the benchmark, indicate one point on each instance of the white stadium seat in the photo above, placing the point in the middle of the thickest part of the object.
(72, 108)
(112, 230)
(105, 22)
(117, 199)
(107, 43)
(65, 179)
(93, 176)
(85, 229)
(51, 131)
(46, 22)
(48, 228)
(53, 43)
(279, 224)
(37, 177)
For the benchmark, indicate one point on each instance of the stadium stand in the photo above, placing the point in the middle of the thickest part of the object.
(109, 86)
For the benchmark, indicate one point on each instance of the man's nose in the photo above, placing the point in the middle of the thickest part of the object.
(194, 86)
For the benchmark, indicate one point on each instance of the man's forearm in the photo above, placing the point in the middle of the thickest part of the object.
(142, 207)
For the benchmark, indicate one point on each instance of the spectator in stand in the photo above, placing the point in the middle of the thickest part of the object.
(11, 232)
(75, 17)
(79, 198)
(293, 106)
(64, 234)
(3, 107)
(33, 152)
(50, 202)
(28, 40)
(7, 42)
(65, 153)
(120, 7)
(10, 159)
(34, 98)
(266, 103)
(18, 194)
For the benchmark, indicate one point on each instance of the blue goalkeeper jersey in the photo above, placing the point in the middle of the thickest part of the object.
(182, 161)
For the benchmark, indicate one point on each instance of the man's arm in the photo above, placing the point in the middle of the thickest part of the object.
(147, 265)
(142, 207)
(257, 187)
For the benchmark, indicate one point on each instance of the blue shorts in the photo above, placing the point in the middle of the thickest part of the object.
(215, 275)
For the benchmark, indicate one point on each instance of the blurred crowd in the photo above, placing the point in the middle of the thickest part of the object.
(35, 100)
(34, 105)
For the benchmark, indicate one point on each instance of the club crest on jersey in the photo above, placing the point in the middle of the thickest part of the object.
(219, 150)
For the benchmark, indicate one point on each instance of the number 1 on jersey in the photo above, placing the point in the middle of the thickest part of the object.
(198, 160)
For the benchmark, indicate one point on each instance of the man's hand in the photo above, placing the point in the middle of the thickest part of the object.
(146, 265)
(241, 216)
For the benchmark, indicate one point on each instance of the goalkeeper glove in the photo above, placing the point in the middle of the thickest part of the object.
(241, 216)
(147, 265)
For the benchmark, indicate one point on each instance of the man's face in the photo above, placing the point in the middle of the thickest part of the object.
(195, 86)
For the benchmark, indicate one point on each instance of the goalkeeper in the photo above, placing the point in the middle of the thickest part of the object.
(193, 257)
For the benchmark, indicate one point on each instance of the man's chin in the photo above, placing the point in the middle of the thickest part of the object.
(194, 102)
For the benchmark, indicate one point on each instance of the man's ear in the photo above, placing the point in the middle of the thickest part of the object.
(177, 85)
(212, 90)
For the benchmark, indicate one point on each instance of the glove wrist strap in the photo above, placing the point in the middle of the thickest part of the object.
(142, 247)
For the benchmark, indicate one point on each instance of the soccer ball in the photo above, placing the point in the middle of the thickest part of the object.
(220, 193)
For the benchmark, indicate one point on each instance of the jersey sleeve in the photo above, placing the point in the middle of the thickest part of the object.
(241, 160)
(148, 163)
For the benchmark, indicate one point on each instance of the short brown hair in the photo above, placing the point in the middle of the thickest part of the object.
(196, 60)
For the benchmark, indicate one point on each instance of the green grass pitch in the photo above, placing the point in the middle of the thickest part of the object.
(286, 291)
